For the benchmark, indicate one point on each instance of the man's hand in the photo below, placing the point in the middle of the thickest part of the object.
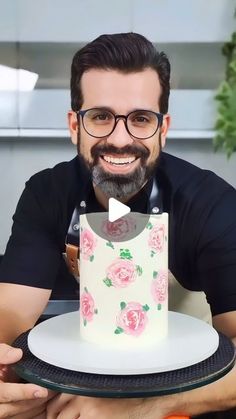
(18, 401)
(66, 406)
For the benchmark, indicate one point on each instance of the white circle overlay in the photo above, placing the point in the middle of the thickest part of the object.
(57, 341)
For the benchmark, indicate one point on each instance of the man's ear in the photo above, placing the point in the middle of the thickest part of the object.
(164, 129)
(73, 126)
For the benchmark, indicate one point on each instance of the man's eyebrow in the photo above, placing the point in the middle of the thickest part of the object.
(104, 108)
(108, 108)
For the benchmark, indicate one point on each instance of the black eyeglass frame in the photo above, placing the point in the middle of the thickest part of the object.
(158, 115)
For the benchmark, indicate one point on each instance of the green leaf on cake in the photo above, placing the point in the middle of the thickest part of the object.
(146, 307)
(125, 254)
(152, 253)
(86, 289)
(108, 282)
(95, 311)
(110, 244)
(154, 275)
(139, 270)
(119, 330)
(159, 307)
(122, 305)
(149, 226)
(91, 258)
(85, 322)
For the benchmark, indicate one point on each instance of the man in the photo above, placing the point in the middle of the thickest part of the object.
(119, 122)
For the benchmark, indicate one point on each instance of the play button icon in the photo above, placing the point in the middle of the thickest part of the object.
(116, 209)
(118, 224)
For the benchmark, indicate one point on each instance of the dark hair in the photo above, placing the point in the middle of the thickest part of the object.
(127, 52)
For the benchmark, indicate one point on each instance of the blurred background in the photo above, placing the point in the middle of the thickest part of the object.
(37, 43)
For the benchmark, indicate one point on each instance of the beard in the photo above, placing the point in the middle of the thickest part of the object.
(119, 186)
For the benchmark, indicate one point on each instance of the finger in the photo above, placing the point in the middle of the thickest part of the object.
(9, 410)
(71, 409)
(42, 416)
(9, 355)
(31, 412)
(12, 392)
(38, 412)
(52, 394)
(55, 405)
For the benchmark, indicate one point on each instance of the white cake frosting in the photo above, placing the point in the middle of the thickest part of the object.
(124, 284)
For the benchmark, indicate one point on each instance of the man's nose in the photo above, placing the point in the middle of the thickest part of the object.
(120, 136)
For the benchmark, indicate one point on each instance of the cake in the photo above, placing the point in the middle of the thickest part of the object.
(123, 280)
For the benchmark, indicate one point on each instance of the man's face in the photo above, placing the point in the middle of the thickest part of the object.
(120, 164)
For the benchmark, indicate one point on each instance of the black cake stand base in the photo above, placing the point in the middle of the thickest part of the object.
(58, 379)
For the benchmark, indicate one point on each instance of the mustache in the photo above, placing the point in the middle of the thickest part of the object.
(138, 151)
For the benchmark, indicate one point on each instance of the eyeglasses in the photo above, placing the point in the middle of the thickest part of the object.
(140, 124)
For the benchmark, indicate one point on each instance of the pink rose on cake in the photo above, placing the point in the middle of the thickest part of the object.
(132, 318)
(156, 239)
(121, 273)
(118, 229)
(87, 306)
(87, 244)
(159, 287)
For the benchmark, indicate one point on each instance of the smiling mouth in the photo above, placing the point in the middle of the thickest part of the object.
(119, 161)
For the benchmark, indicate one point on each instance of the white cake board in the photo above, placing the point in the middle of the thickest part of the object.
(57, 341)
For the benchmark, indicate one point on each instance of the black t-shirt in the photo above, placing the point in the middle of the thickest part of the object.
(202, 228)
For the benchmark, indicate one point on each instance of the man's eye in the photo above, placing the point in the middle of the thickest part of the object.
(102, 117)
(141, 119)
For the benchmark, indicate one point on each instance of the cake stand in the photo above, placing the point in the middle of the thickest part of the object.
(48, 366)
(58, 342)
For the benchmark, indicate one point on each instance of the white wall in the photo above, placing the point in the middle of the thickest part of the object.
(160, 20)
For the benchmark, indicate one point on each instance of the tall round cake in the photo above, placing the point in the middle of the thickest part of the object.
(124, 282)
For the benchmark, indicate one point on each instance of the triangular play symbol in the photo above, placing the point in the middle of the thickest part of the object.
(116, 209)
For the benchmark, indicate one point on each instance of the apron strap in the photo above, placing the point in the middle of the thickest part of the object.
(72, 259)
(72, 241)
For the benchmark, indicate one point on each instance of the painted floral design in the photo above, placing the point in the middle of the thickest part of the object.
(87, 307)
(157, 239)
(122, 271)
(132, 318)
(88, 243)
(159, 287)
(118, 229)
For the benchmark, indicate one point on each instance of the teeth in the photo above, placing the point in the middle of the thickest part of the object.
(115, 160)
